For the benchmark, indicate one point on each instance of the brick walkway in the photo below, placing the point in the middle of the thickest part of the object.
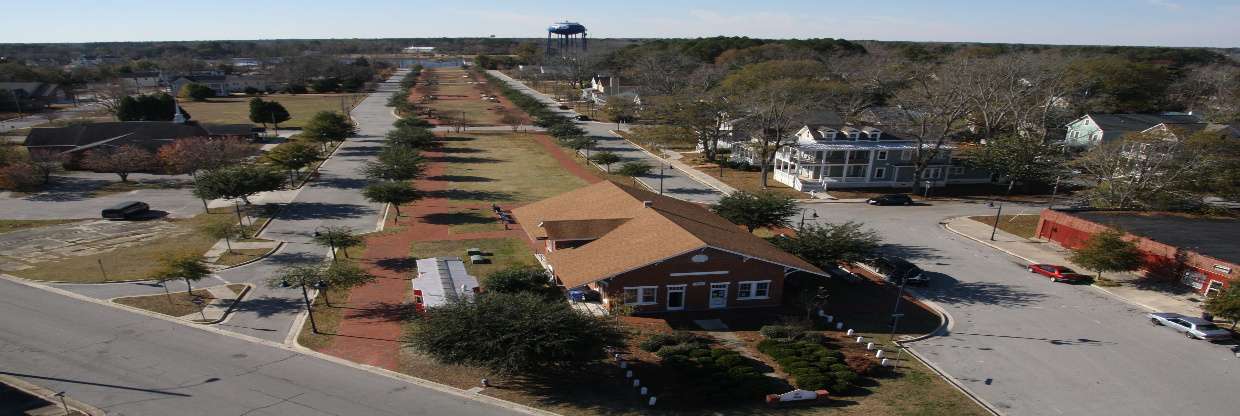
(370, 328)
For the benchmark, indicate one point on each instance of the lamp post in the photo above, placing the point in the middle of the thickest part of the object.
(1054, 191)
(63, 403)
(814, 216)
(995, 227)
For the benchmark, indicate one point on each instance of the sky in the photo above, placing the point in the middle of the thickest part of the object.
(1081, 22)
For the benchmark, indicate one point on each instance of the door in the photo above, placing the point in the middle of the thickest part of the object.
(718, 295)
(675, 298)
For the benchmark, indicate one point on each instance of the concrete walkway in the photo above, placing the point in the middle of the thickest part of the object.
(222, 246)
(1045, 252)
(218, 308)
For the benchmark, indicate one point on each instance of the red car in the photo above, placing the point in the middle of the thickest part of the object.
(1057, 273)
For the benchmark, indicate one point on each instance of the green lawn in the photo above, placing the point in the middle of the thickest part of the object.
(502, 168)
(502, 252)
(300, 107)
(1025, 225)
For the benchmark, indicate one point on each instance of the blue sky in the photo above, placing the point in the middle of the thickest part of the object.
(1109, 22)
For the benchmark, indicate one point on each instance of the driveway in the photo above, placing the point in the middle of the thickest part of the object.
(333, 199)
(1031, 347)
(674, 183)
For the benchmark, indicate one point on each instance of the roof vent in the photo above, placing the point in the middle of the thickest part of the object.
(648, 204)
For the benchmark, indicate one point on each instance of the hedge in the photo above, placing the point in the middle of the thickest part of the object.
(658, 341)
(813, 365)
(714, 375)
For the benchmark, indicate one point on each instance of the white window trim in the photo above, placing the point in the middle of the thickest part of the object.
(640, 289)
(880, 173)
(881, 155)
(683, 289)
(752, 286)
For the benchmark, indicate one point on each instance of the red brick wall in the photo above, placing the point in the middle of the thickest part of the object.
(697, 288)
(1161, 260)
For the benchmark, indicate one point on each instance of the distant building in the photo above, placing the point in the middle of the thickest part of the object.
(604, 87)
(224, 84)
(139, 81)
(1093, 129)
(419, 49)
(33, 95)
(1200, 253)
(246, 63)
(151, 135)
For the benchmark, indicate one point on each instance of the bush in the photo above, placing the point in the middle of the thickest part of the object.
(780, 332)
(813, 365)
(657, 341)
(20, 177)
(251, 91)
(680, 350)
(716, 375)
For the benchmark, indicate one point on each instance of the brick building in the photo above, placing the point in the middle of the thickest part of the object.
(1201, 253)
(655, 253)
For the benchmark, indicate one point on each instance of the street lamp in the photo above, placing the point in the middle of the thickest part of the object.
(1054, 191)
(995, 228)
(814, 217)
(661, 169)
(61, 396)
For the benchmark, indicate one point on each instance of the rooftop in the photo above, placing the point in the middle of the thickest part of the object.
(1209, 236)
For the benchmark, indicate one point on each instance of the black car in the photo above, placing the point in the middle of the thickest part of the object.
(896, 269)
(127, 210)
(583, 118)
(890, 199)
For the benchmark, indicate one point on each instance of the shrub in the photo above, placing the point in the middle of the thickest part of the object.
(20, 177)
(681, 350)
(780, 331)
(657, 341)
(716, 375)
(813, 365)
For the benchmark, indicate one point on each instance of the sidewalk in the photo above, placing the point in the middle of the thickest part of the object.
(1038, 251)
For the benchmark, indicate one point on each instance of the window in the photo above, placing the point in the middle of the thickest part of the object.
(882, 155)
(753, 290)
(880, 173)
(931, 173)
(641, 295)
(854, 135)
(874, 135)
(957, 170)
(906, 155)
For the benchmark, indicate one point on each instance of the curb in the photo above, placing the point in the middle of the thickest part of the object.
(279, 244)
(233, 305)
(48, 395)
(947, 224)
(692, 176)
(950, 380)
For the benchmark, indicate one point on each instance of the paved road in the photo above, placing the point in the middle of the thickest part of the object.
(674, 182)
(1031, 347)
(68, 197)
(40, 118)
(333, 199)
(131, 364)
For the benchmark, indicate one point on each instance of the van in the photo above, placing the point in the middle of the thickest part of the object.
(126, 210)
(896, 269)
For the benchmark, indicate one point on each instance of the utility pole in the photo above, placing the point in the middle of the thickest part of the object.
(995, 227)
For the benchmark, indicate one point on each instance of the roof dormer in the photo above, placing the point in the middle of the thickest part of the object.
(827, 133)
(872, 132)
(851, 133)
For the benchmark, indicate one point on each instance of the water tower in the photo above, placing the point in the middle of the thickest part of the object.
(569, 38)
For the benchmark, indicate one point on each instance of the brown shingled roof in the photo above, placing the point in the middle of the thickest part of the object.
(670, 227)
(580, 229)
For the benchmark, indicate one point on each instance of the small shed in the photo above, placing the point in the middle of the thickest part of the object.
(441, 280)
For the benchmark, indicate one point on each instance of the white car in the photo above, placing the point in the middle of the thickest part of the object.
(1195, 328)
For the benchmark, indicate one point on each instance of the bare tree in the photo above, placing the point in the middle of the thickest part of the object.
(1146, 170)
(931, 109)
(46, 162)
(774, 112)
(1213, 90)
(109, 97)
(122, 160)
(661, 72)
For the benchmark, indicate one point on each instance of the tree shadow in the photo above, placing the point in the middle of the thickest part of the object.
(908, 252)
(948, 290)
(340, 182)
(460, 150)
(268, 306)
(385, 311)
(286, 258)
(459, 178)
(460, 194)
(457, 218)
(463, 159)
(397, 264)
(68, 188)
(456, 139)
(318, 210)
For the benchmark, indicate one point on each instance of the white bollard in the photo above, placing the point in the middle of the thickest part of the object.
(637, 382)
(859, 339)
(644, 391)
(653, 399)
(878, 354)
(869, 346)
(849, 333)
(624, 364)
(830, 318)
(884, 363)
(628, 374)
(839, 325)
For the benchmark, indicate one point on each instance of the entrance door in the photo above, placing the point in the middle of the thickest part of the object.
(718, 295)
(675, 298)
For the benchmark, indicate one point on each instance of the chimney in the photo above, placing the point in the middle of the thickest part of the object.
(648, 204)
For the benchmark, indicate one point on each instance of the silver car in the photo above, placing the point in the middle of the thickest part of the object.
(1195, 328)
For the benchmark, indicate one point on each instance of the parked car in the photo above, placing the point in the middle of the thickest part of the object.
(1195, 328)
(896, 270)
(127, 210)
(890, 199)
(1057, 273)
(563, 107)
(583, 118)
